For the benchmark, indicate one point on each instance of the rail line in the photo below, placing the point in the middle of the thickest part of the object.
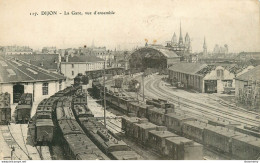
(38, 150)
(16, 143)
(24, 140)
(177, 99)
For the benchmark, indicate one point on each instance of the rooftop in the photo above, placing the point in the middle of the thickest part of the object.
(188, 68)
(46, 61)
(84, 58)
(178, 140)
(13, 71)
(253, 75)
(163, 134)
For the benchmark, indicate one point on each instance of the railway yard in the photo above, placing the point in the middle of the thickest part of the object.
(167, 123)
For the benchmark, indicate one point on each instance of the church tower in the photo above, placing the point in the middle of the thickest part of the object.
(174, 39)
(205, 53)
(180, 38)
(187, 42)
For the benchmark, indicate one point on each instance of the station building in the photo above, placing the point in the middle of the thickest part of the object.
(18, 77)
(72, 66)
(153, 57)
(202, 77)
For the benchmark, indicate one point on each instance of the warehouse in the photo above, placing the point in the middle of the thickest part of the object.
(18, 77)
(202, 77)
(153, 56)
(248, 88)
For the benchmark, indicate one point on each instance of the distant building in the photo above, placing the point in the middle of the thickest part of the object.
(18, 77)
(49, 50)
(72, 66)
(220, 51)
(16, 50)
(182, 46)
(245, 56)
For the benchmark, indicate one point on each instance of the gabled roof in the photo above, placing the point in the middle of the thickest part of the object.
(253, 75)
(12, 71)
(84, 58)
(165, 51)
(46, 61)
(188, 68)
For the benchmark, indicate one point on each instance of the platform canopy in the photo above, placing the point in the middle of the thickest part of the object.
(151, 57)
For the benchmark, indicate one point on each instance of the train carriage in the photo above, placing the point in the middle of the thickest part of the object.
(173, 121)
(246, 147)
(143, 128)
(127, 125)
(5, 108)
(138, 108)
(219, 138)
(23, 113)
(156, 138)
(124, 103)
(102, 137)
(80, 147)
(82, 111)
(115, 99)
(180, 148)
(5, 112)
(44, 130)
(194, 130)
(244, 130)
(125, 155)
(156, 116)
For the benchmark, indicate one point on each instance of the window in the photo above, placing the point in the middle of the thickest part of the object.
(72, 65)
(45, 88)
(220, 73)
(60, 84)
(72, 73)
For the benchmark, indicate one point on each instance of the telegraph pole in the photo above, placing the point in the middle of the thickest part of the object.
(143, 85)
(104, 80)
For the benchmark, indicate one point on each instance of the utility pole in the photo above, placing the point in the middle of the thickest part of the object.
(143, 85)
(104, 77)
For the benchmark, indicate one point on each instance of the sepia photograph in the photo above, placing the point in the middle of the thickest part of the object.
(130, 80)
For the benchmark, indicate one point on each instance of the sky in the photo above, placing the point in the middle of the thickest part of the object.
(232, 22)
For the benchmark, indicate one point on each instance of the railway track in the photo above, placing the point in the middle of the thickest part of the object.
(18, 151)
(187, 103)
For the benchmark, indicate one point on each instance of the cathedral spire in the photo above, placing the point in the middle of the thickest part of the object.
(204, 44)
(180, 38)
(174, 39)
(205, 47)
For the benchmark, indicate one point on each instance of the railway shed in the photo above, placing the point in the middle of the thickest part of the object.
(18, 77)
(158, 57)
(203, 77)
(247, 87)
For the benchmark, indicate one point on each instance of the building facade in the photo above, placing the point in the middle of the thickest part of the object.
(16, 50)
(202, 77)
(72, 66)
(18, 77)
(247, 88)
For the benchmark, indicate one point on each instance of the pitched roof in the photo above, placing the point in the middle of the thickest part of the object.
(188, 68)
(253, 74)
(19, 71)
(166, 52)
(85, 59)
(46, 61)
